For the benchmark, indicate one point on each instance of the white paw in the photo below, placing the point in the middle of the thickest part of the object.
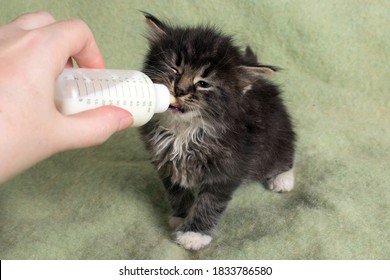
(192, 240)
(284, 182)
(174, 222)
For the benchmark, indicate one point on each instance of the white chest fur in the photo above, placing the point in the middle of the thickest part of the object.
(182, 149)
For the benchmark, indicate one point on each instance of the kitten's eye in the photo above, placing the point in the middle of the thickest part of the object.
(202, 84)
(174, 74)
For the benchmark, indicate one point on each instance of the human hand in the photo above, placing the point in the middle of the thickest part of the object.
(34, 49)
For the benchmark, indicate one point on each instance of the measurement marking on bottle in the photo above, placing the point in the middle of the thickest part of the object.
(94, 88)
(78, 90)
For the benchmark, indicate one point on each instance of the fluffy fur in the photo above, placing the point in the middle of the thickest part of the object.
(228, 125)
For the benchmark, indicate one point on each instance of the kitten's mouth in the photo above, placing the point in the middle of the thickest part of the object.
(175, 105)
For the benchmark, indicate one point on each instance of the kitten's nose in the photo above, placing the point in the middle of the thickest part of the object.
(179, 91)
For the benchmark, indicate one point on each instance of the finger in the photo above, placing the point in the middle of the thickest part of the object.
(69, 63)
(73, 38)
(33, 20)
(94, 127)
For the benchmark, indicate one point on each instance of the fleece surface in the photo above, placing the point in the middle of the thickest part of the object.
(107, 202)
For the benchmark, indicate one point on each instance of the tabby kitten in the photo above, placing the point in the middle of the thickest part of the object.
(227, 125)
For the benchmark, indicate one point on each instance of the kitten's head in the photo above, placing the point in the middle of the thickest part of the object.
(202, 68)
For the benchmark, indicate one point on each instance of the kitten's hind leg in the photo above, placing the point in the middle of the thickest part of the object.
(283, 182)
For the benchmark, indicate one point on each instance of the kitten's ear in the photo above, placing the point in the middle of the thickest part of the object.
(157, 29)
(250, 55)
(258, 70)
(250, 74)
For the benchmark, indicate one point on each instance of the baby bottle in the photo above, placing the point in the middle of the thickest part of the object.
(80, 89)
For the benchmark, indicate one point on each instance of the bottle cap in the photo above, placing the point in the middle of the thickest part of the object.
(162, 98)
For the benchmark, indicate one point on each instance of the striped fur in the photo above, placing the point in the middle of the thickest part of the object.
(229, 125)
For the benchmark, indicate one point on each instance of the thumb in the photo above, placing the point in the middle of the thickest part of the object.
(94, 127)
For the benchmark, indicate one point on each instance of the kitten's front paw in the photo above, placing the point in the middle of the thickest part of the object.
(283, 182)
(192, 240)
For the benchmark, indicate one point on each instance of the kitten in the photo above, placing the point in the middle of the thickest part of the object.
(227, 125)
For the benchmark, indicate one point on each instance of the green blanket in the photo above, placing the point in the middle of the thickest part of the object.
(107, 202)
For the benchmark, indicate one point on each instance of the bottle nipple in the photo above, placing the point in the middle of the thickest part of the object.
(162, 98)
